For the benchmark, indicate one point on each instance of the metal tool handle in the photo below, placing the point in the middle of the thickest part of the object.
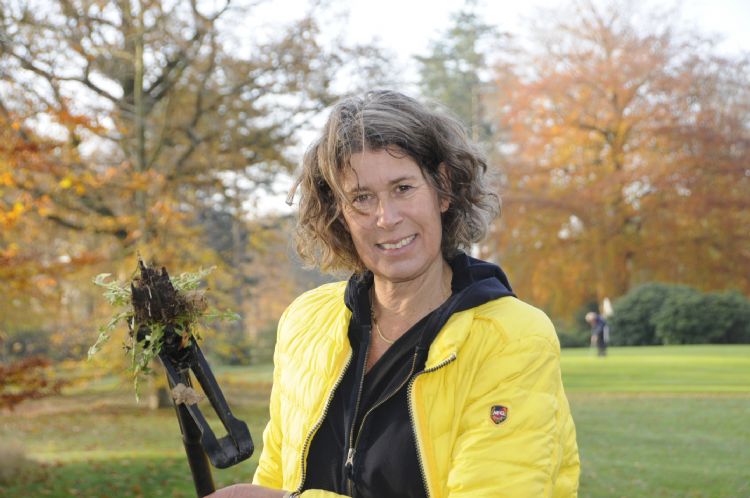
(191, 439)
(199, 439)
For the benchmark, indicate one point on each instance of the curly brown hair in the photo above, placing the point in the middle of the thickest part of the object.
(389, 120)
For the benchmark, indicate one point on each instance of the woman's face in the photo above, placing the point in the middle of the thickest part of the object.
(395, 223)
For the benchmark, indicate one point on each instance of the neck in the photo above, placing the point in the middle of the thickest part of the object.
(401, 304)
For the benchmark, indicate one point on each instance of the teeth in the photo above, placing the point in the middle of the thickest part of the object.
(398, 245)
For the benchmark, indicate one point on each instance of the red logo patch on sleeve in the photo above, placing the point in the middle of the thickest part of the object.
(499, 414)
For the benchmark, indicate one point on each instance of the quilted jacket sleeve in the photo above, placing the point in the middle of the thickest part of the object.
(528, 450)
(270, 468)
(269, 472)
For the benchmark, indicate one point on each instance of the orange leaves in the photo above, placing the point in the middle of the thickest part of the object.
(6, 179)
(150, 180)
(26, 379)
(8, 253)
(76, 185)
(18, 206)
(63, 115)
(619, 170)
(165, 211)
(8, 218)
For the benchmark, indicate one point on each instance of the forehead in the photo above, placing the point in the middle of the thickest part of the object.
(371, 169)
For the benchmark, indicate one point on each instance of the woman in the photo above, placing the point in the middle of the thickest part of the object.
(423, 375)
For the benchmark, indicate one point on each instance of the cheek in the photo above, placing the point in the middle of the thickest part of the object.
(355, 227)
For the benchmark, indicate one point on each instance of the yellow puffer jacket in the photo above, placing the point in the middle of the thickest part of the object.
(502, 353)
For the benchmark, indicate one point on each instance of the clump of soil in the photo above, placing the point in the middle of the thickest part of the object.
(156, 302)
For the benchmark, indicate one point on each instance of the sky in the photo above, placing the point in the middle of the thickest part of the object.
(393, 21)
(407, 27)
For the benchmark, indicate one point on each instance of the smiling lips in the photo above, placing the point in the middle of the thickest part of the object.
(397, 245)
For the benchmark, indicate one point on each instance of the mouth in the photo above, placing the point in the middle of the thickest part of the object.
(390, 246)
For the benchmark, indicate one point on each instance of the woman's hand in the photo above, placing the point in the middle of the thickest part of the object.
(246, 491)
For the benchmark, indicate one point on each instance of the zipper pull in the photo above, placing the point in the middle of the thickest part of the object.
(349, 466)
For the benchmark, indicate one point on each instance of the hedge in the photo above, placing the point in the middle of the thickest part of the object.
(659, 313)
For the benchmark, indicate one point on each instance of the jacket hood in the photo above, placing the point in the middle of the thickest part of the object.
(478, 280)
(474, 283)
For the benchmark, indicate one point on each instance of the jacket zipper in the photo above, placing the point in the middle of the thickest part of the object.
(410, 394)
(349, 465)
(352, 449)
(319, 423)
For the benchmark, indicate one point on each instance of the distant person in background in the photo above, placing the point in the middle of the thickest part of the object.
(599, 332)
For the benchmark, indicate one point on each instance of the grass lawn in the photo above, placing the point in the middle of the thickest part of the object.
(652, 422)
(666, 421)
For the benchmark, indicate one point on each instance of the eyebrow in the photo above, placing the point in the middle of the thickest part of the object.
(400, 179)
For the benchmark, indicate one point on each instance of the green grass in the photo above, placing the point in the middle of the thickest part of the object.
(662, 421)
(652, 422)
(659, 369)
(95, 444)
(656, 446)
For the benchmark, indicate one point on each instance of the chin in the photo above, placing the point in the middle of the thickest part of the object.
(402, 272)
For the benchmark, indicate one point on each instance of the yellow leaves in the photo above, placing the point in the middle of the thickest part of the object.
(6, 179)
(9, 218)
(165, 212)
(66, 183)
(71, 183)
(145, 181)
(44, 206)
(10, 251)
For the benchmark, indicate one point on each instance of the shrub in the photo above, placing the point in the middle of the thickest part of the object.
(573, 338)
(630, 324)
(576, 332)
(732, 311)
(683, 318)
(676, 314)
(692, 317)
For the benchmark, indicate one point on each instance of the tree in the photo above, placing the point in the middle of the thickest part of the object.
(626, 160)
(34, 255)
(130, 119)
(165, 106)
(26, 379)
(456, 72)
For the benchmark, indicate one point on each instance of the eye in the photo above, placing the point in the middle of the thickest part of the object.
(361, 198)
(404, 188)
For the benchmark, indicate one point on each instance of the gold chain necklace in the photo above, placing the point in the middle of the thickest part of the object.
(375, 322)
(377, 329)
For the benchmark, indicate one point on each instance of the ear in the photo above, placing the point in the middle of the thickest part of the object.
(445, 184)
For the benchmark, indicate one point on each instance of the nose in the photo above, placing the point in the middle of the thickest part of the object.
(388, 214)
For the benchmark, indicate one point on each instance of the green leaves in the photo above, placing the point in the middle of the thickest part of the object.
(116, 294)
(144, 340)
(106, 330)
(190, 281)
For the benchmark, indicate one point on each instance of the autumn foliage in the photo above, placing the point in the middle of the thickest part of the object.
(130, 128)
(625, 153)
(26, 379)
(619, 140)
